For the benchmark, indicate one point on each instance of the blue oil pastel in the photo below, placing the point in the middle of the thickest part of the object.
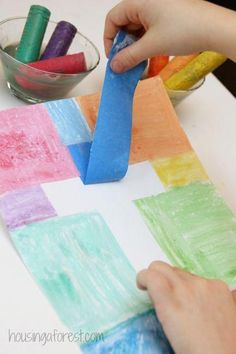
(142, 334)
(110, 149)
(69, 121)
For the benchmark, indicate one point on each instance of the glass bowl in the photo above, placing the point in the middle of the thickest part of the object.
(177, 96)
(33, 85)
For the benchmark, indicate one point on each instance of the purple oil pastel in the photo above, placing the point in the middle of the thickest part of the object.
(60, 40)
(25, 206)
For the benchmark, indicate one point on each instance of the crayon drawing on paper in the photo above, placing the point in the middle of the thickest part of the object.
(83, 244)
(31, 151)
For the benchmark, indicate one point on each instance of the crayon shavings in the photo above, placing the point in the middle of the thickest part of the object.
(195, 228)
(31, 151)
(82, 270)
(140, 334)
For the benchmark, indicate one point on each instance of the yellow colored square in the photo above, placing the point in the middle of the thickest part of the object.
(180, 170)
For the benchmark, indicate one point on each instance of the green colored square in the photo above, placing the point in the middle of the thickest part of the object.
(195, 228)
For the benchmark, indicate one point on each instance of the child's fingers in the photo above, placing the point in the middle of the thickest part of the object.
(142, 279)
(155, 271)
(134, 54)
(124, 15)
(136, 30)
(234, 295)
(115, 19)
(159, 286)
(109, 34)
(155, 282)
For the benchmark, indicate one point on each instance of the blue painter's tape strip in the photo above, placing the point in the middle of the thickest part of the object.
(109, 154)
(69, 121)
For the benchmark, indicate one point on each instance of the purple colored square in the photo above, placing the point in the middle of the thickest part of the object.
(25, 206)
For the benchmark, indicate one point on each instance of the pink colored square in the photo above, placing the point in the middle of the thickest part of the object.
(30, 149)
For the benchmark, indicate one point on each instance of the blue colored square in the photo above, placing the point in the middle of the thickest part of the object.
(142, 334)
(70, 123)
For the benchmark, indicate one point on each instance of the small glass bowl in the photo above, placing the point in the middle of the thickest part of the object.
(32, 85)
(177, 96)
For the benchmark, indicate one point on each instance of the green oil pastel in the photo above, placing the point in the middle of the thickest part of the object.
(195, 228)
(82, 270)
(31, 40)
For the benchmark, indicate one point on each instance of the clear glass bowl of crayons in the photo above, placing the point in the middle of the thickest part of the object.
(183, 75)
(44, 60)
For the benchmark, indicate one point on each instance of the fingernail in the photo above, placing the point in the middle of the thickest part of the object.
(117, 66)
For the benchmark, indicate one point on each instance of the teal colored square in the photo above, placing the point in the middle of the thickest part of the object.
(82, 270)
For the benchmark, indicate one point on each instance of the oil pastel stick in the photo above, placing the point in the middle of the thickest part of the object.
(60, 40)
(156, 64)
(197, 69)
(176, 64)
(31, 85)
(31, 40)
(68, 64)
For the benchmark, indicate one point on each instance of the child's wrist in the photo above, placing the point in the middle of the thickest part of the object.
(221, 31)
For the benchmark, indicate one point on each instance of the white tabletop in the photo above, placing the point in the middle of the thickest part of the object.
(209, 119)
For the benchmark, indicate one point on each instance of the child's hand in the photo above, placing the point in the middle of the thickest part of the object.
(198, 315)
(170, 27)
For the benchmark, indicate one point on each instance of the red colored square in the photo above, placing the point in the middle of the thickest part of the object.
(30, 149)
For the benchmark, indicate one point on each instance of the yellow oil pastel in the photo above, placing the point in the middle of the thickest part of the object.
(180, 170)
(176, 64)
(197, 69)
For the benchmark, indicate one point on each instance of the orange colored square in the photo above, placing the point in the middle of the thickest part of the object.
(156, 131)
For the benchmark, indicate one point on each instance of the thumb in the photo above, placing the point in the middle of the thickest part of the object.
(234, 295)
(134, 54)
